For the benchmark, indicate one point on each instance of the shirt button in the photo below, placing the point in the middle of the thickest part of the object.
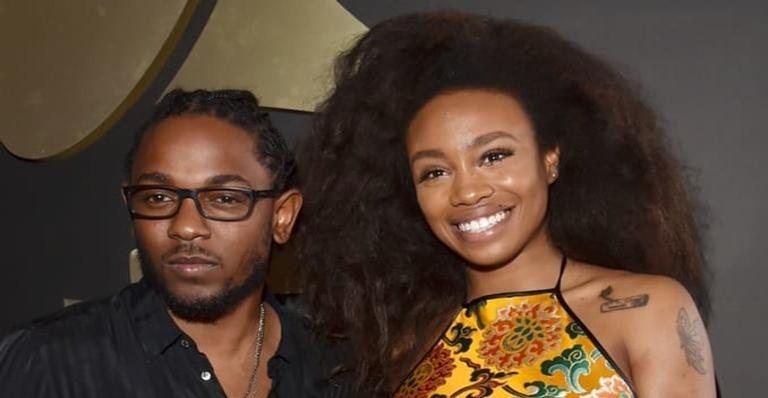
(185, 343)
(206, 375)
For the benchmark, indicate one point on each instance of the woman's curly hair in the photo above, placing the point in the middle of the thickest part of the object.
(374, 271)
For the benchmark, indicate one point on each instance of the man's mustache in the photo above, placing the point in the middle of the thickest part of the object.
(189, 250)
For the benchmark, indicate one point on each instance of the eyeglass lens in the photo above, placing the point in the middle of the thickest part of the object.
(215, 203)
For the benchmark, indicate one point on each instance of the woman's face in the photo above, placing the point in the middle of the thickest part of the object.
(480, 178)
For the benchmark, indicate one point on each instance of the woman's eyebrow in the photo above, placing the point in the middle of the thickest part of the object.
(490, 137)
(427, 153)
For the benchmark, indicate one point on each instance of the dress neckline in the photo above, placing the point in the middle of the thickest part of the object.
(520, 293)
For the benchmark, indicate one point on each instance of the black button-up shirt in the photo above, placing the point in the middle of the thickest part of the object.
(128, 346)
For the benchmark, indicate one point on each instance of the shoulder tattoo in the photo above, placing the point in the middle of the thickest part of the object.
(688, 329)
(625, 303)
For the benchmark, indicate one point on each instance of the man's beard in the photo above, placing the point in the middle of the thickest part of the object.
(205, 309)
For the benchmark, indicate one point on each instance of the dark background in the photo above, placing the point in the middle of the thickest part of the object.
(65, 232)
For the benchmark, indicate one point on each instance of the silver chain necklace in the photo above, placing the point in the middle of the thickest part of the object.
(257, 351)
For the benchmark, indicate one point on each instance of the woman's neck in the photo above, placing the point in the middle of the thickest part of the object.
(535, 267)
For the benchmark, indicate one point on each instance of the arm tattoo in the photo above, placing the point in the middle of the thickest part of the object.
(625, 303)
(688, 330)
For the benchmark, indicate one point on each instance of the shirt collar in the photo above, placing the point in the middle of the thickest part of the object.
(154, 326)
(157, 331)
(290, 329)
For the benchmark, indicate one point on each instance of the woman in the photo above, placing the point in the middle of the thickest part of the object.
(492, 211)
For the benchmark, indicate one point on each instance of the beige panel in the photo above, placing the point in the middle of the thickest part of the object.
(280, 49)
(71, 69)
(69, 301)
(134, 266)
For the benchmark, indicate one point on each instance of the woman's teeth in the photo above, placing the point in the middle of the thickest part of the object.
(482, 223)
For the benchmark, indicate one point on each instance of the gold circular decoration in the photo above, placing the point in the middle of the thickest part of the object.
(71, 69)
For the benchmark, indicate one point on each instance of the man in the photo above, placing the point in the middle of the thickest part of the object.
(209, 187)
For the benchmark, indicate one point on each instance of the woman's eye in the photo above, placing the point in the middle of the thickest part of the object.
(494, 156)
(431, 174)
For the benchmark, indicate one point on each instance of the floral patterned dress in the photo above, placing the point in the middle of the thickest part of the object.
(524, 344)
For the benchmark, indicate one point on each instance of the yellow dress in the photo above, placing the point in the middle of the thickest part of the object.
(524, 344)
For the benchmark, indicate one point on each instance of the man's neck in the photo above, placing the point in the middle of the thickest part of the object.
(231, 343)
(230, 333)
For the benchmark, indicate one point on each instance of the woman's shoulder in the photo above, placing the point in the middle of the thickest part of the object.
(649, 323)
(615, 290)
(652, 325)
(629, 307)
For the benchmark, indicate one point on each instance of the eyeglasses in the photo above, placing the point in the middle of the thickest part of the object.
(156, 202)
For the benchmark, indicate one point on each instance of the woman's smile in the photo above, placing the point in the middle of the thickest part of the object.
(482, 227)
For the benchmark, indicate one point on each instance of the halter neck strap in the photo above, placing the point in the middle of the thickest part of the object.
(562, 271)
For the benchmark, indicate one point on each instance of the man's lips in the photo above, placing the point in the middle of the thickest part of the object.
(191, 265)
(191, 260)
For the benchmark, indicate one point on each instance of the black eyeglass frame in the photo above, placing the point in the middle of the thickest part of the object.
(182, 193)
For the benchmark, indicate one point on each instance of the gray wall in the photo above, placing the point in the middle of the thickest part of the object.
(65, 233)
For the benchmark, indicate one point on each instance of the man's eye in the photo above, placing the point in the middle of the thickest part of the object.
(157, 198)
(226, 199)
(495, 155)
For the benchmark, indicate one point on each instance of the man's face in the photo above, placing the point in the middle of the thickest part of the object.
(202, 267)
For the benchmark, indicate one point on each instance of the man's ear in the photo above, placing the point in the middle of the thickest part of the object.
(284, 213)
(122, 192)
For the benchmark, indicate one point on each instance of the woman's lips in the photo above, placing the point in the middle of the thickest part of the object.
(483, 223)
(482, 227)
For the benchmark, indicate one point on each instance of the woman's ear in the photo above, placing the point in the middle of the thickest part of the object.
(552, 164)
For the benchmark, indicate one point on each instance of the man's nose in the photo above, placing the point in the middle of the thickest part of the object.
(188, 224)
